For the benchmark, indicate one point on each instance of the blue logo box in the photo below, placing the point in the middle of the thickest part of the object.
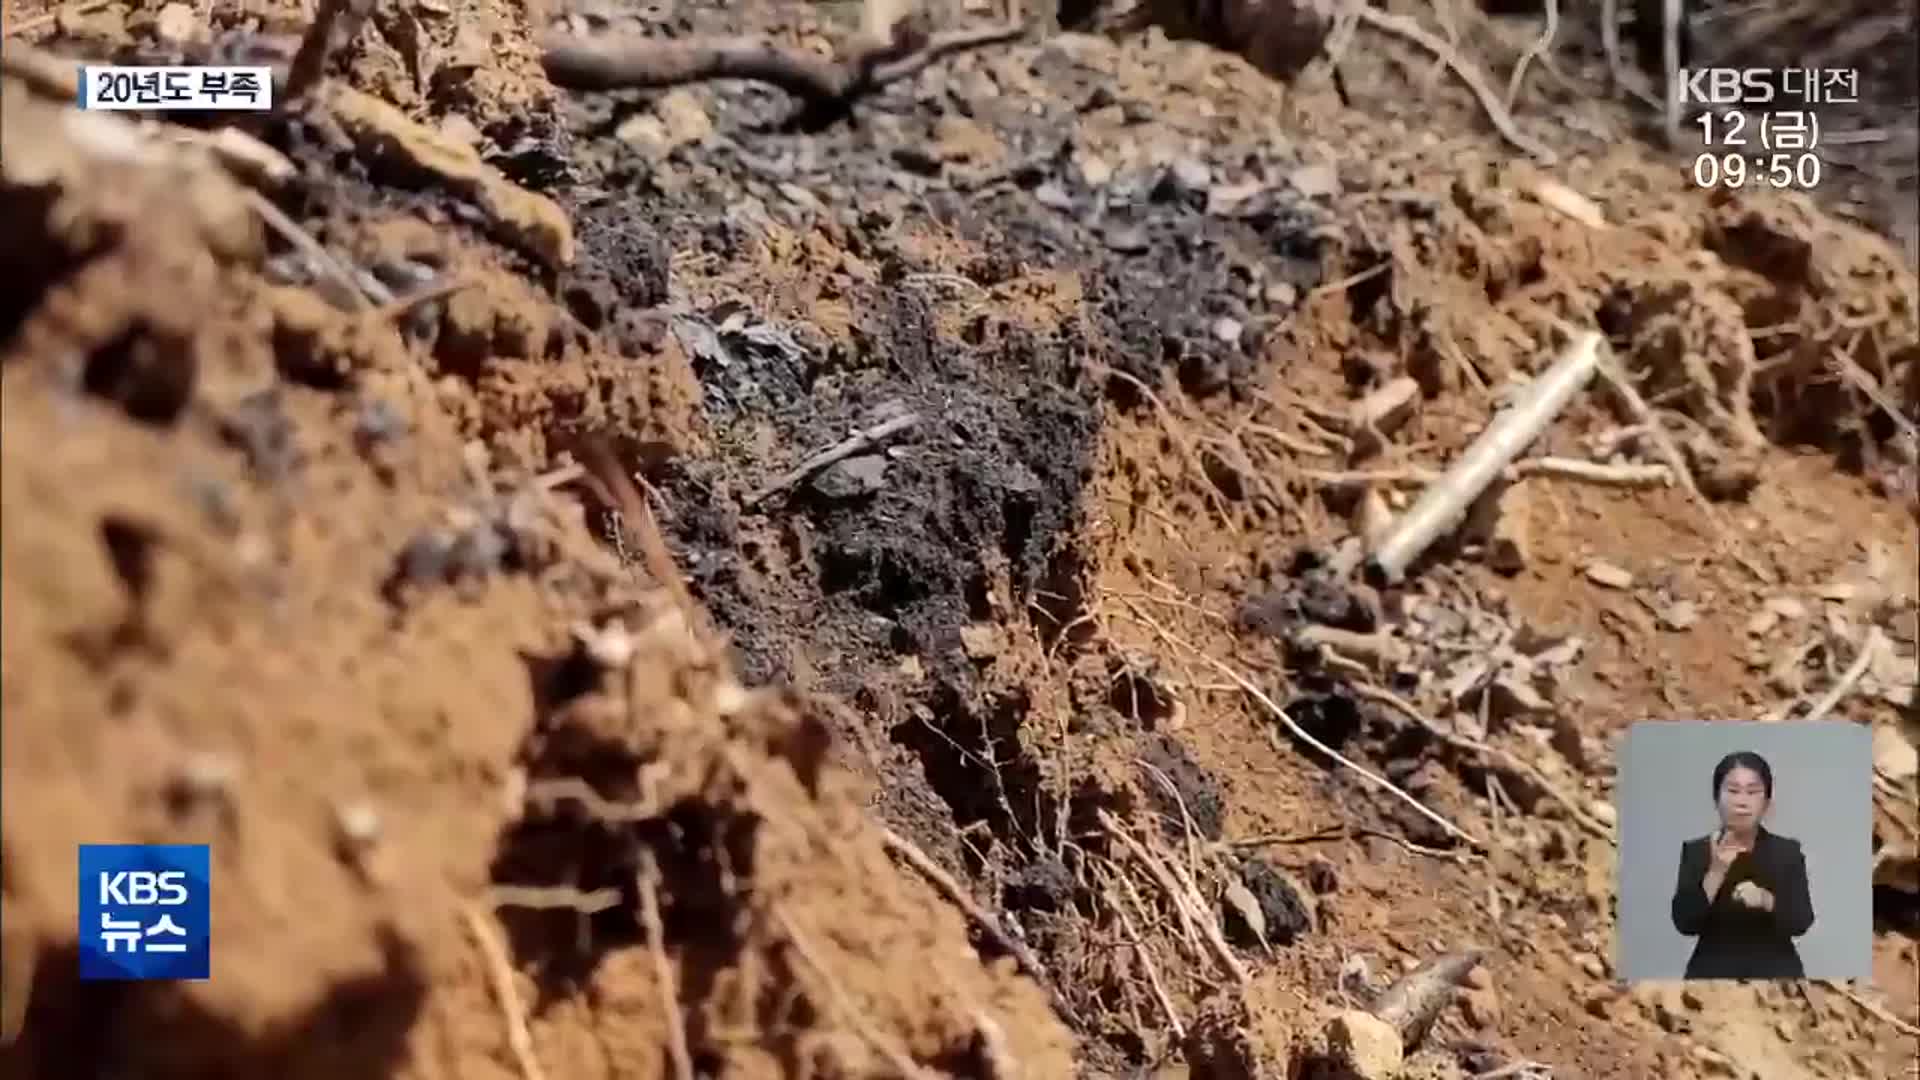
(145, 911)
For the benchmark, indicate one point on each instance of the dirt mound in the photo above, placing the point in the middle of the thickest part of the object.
(1020, 428)
(424, 685)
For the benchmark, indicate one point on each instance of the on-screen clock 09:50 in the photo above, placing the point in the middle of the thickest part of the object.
(1735, 170)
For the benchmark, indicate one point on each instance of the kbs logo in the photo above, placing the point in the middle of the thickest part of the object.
(144, 911)
(1725, 86)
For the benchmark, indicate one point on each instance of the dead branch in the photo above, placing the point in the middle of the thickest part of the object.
(840, 451)
(1874, 1010)
(819, 81)
(1535, 51)
(1413, 1003)
(662, 970)
(1304, 736)
(1348, 832)
(500, 972)
(402, 306)
(335, 24)
(1442, 506)
(1153, 971)
(617, 487)
(1191, 911)
(554, 898)
(896, 1057)
(1401, 26)
(322, 259)
(1486, 750)
(944, 883)
(546, 794)
(1849, 678)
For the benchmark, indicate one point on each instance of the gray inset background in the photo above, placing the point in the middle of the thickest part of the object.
(1822, 797)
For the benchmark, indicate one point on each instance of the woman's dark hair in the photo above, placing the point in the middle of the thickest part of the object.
(1743, 759)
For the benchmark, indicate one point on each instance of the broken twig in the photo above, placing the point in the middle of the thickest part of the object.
(840, 451)
(1401, 26)
(500, 971)
(1180, 896)
(649, 881)
(1442, 506)
(821, 82)
(1302, 734)
(1413, 1003)
(945, 884)
(1849, 678)
(1488, 751)
(335, 23)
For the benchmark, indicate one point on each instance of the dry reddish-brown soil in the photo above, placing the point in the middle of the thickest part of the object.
(450, 584)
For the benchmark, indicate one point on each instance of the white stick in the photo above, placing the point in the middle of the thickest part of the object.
(1441, 506)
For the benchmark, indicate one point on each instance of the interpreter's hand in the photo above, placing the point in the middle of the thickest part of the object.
(1750, 895)
(1725, 850)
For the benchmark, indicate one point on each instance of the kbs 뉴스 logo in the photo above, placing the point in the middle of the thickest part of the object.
(145, 911)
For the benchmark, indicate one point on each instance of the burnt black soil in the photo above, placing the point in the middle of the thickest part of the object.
(966, 517)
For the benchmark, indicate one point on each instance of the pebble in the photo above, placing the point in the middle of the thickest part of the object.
(1609, 576)
(1481, 1007)
(1228, 330)
(1314, 181)
(1191, 176)
(1094, 171)
(1366, 1044)
(176, 24)
(1713, 1062)
(852, 478)
(1127, 240)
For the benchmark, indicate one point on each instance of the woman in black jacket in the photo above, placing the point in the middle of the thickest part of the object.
(1743, 890)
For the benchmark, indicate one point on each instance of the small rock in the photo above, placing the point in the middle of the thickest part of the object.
(176, 24)
(852, 478)
(918, 159)
(646, 134)
(1591, 964)
(799, 196)
(1690, 1000)
(358, 824)
(1053, 197)
(1787, 607)
(1322, 876)
(1893, 756)
(1609, 576)
(980, 640)
(1191, 176)
(1602, 811)
(1366, 1044)
(1510, 698)
(1228, 330)
(1281, 294)
(461, 130)
(685, 119)
(1481, 1007)
(1127, 240)
(1314, 181)
(1713, 1062)
(1509, 537)
(1599, 1003)
(1094, 171)
(1478, 978)
(1680, 615)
